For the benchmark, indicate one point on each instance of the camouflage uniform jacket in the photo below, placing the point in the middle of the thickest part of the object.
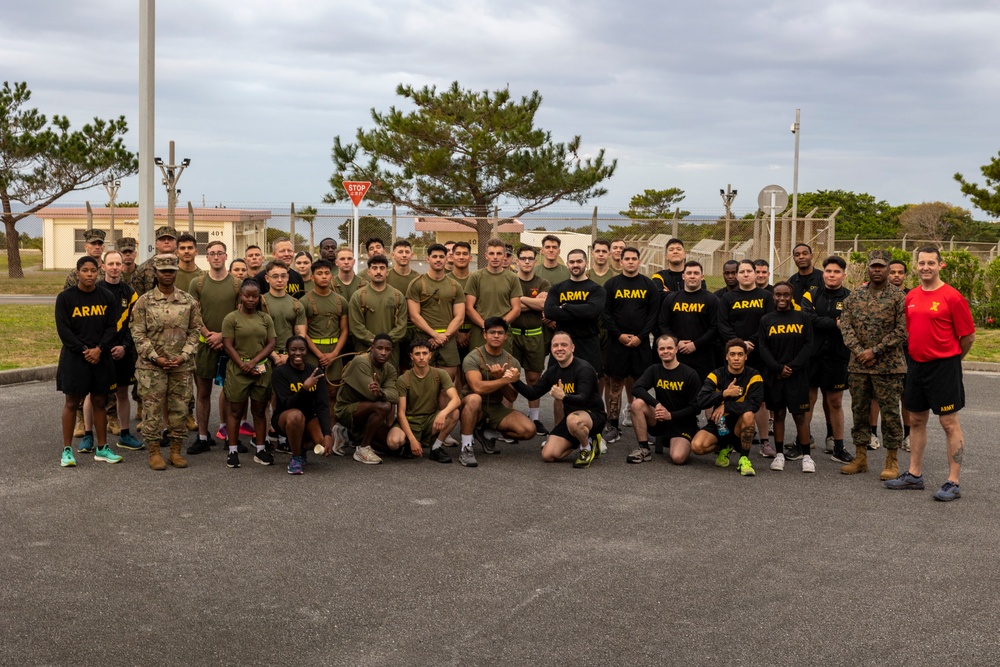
(165, 326)
(144, 277)
(875, 319)
(72, 279)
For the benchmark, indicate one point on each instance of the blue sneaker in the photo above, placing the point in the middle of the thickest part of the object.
(949, 491)
(295, 466)
(105, 454)
(86, 445)
(129, 441)
(68, 461)
(906, 481)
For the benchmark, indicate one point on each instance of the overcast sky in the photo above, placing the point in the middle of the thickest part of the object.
(896, 96)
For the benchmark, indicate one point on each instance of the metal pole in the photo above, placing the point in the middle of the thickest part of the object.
(291, 227)
(770, 257)
(395, 235)
(355, 238)
(190, 219)
(147, 97)
(171, 189)
(796, 130)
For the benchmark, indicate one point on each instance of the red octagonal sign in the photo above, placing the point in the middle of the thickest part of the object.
(356, 190)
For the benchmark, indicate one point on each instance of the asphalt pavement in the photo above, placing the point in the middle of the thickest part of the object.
(516, 562)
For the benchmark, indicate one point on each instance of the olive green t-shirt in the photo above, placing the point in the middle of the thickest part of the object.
(599, 279)
(402, 283)
(250, 333)
(422, 393)
(372, 312)
(554, 276)
(436, 299)
(479, 360)
(323, 313)
(348, 290)
(461, 281)
(217, 298)
(184, 278)
(287, 314)
(531, 319)
(493, 292)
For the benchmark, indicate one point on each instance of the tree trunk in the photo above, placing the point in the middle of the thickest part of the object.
(484, 232)
(14, 269)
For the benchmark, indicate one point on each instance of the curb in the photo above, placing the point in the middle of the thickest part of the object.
(21, 375)
(981, 366)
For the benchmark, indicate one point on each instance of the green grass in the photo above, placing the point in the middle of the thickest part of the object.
(36, 281)
(29, 336)
(986, 347)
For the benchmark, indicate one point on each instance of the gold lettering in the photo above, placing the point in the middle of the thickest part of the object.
(568, 387)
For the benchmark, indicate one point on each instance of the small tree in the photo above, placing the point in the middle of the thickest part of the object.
(368, 227)
(307, 214)
(40, 162)
(987, 198)
(461, 153)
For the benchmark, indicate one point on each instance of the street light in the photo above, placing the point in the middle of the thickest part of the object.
(796, 130)
(171, 175)
(111, 184)
(728, 195)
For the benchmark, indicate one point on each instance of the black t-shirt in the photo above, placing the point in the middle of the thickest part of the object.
(676, 389)
(579, 381)
(576, 308)
(824, 307)
(719, 380)
(87, 319)
(786, 339)
(740, 312)
(126, 298)
(286, 382)
(672, 280)
(691, 316)
(801, 283)
(296, 286)
(631, 307)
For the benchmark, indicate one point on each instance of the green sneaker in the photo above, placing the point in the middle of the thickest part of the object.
(745, 468)
(105, 454)
(600, 446)
(86, 445)
(68, 460)
(585, 458)
(722, 460)
(129, 441)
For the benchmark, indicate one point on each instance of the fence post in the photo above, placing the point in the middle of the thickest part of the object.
(951, 243)
(496, 220)
(291, 226)
(394, 234)
(676, 226)
(725, 246)
(593, 228)
(190, 219)
(90, 216)
(856, 242)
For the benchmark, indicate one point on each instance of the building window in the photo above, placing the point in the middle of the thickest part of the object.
(110, 239)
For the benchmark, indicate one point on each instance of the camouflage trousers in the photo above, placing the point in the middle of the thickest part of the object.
(162, 390)
(887, 390)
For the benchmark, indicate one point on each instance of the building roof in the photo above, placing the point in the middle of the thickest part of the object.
(431, 224)
(132, 212)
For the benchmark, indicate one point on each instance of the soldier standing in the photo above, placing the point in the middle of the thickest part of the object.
(165, 326)
(144, 278)
(126, 246)
(874, 328)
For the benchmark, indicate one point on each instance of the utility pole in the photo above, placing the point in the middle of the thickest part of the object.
(728, 195)
(112, 185)
(147, 90)
(796, 130)
(171, 175)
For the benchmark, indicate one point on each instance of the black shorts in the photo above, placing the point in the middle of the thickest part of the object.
(790, 394)
(599, 419)
(75, 376)
(935, 385)
(728, 440)
(827, 374)
(125, 370)
(627, 362)
(670, 429)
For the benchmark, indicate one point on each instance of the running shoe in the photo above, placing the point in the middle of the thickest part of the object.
(948, 491)
(906, 482)
(105, 454)
(222, 434)
(86, 445)
(906, 444)
(246, 428)
(745, 468)
(640, 455)
(439, 455)
(540, 428)
(67, 460)
(341, 440)
(793, 453)
(467, 458)
(601, 447)
(808, 465)
(767, 450)
(129, 441)
(722, 460)
(829, 446)
(841, 455)
(874, 442)
(241, 448)
(263, 457)
(295, 465)
(626, 417)
(367, 456)
(612, 434)
(199, 446)
(233, 460)
(585, 458)
(282, 446)
(271, 437)
(488, 443)
(778, 464)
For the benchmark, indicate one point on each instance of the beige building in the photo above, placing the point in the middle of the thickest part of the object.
(446, 231)
(63, 230)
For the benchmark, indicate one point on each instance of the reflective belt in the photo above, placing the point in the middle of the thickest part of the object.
(465, 327)
(325, 341)
(201, 339)
(526, 332)
(440, 330)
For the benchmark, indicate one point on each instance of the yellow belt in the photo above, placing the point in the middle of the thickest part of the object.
(526, 332)
(325, 341)
(440, 330)
(201, 339)
(465, 327)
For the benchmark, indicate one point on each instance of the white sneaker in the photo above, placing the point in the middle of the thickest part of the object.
(874, 442)
(828, 449)
(367, 455)
(450, 442)
(808, 465)
(778, 463)
(626, 417)
(341, 440)
(602, 446)
(906, 444)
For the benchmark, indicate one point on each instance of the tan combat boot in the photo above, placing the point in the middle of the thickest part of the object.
(175, 458)
(79, 429)
(114, 427)
(859, 464)
(192, 425)
(156, 461)
(891, 469)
